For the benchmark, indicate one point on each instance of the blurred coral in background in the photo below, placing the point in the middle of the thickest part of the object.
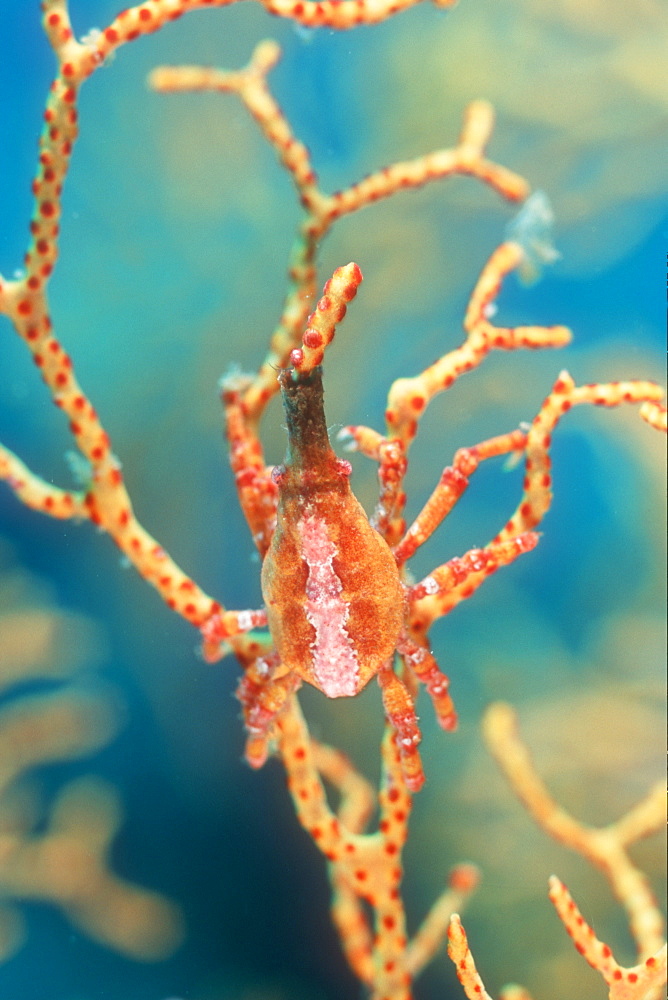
(51, 711)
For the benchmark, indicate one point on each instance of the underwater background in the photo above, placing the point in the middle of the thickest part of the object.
(176, 232)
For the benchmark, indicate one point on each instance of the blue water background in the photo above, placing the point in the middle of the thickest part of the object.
(176, 231)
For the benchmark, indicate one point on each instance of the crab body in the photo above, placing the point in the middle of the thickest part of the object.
(331, 586)
(338, 609)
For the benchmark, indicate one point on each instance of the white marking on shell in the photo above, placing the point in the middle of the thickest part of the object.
(335, 662)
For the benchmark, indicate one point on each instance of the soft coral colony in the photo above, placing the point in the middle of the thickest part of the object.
(339, 605)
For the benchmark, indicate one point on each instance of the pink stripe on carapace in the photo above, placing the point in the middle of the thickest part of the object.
(335, 662)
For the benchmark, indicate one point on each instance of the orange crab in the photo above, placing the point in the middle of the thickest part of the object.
(337, 605)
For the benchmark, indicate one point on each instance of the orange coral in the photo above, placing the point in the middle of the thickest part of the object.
(340, 605)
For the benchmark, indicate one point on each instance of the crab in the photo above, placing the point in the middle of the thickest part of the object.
(339, 605)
